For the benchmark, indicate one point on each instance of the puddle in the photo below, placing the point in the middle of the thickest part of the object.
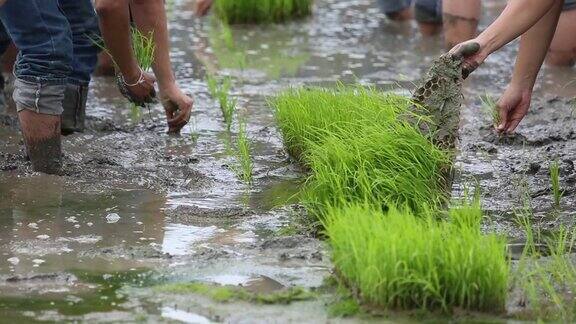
(135, 198)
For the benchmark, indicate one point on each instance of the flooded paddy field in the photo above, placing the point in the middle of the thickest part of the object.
(138, 211)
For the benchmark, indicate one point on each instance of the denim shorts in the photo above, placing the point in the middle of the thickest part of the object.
(425, 10)
(41, 98)
(569, 4)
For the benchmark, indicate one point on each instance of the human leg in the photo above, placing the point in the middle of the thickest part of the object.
(84, 27)
(460, 19)
(399, 10)
(42, 70)
(428, 14)
(562, 51)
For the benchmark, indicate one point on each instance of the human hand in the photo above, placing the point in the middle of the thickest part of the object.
(513, 106)
(139, 90)
(202, 7)
(472, 55)
(178, 108)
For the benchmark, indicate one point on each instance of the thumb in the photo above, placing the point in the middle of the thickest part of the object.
(465, 50)
(503, 112)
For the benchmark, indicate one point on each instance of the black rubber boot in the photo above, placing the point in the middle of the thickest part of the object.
(74, 115)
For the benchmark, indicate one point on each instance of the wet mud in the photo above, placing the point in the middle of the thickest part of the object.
(137, 208)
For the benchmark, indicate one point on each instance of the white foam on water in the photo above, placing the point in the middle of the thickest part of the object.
(179, 238)
(183, 316)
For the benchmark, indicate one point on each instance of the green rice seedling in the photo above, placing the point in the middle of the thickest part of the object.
(307, 115)
(399, 261)
(359, 148)
(261, 11)
(228, 107)
(221, 93)
(491, 107)
(226, 85)
(549, 282)
(135, 114)
(380, 164)
(144, 48)
(194, 134)
(243, 154)
(555, 182)
(212, 85)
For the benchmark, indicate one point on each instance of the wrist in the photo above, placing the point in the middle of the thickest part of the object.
(525, 82)
(167, 85)
(132, 75)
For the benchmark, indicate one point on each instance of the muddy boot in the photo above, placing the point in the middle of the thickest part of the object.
(42, 139)
(74, 104)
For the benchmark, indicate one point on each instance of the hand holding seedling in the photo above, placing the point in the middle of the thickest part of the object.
(140, 89)
(513, 106)
(178, 108)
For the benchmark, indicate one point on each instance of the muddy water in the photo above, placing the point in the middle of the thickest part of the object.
(137, 207)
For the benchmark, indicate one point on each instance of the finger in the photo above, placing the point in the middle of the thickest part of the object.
(470, 49)
(455, 52)
(151, 96)
(180, 120)
(468, 68)
(465, 50)
(513, 125)
(182, 117)
(503, 119)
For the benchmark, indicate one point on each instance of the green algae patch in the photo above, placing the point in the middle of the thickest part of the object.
(261, 11)
(224, 294)
(398, 261)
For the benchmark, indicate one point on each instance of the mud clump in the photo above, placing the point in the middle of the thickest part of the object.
(128, 253)
(206, 216)
(43, 277)
(440, 96)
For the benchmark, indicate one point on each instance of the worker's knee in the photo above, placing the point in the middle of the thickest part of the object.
(105, 7)
(566, 58)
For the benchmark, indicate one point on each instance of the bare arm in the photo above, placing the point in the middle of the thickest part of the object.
(534, 46)
(115, 28)
(515, 102)
(515, 20)
(150, 18)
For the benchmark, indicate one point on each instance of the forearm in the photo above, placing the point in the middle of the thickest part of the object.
(534, 46)
(515, 20)
(150, 17)
(115, 28)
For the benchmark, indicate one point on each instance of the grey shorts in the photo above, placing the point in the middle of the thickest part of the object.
(425, 10)
(569, 4)
(41, 98)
